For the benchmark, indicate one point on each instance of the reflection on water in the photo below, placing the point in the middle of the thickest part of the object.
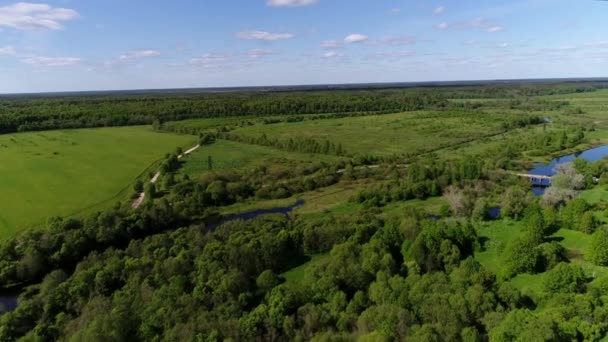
(590, 155)
(253, 214)
(7, 303)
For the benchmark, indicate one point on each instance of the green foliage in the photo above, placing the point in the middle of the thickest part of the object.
(522, 256)
(441, 245)
(381, 274)
(598, 249)
(481, 211)
(514, 203)
(44, 113)
(565, 278)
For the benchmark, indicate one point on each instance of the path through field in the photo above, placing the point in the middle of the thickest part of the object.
(142, 196)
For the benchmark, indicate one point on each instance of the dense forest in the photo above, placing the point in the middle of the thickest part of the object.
(164, 275)
(398, 260)
(18, 113)
(29, 114)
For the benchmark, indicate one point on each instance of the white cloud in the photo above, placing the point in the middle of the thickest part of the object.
(396, 10)
(24, 16)
(331, 44)
(290, 3)
(493, 29)
(262, 35)
(210, 59)
(439, 10)
(355, 38)
(477, 23)
(332, 54)
(258, 53)
(404, 40)
(7, 51)
(600, 44)
(52, 61)
(391, 56)
(138, 54)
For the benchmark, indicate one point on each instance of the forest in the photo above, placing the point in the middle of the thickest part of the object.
(427, 235)
(19, 113)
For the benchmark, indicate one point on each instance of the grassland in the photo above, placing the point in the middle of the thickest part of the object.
(233, 155)
(401, 133)
(62, 173)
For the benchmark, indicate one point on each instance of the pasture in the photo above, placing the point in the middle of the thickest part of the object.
(63, 173)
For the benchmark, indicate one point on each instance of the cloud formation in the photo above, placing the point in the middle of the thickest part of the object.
(27, 16)
(331, 44)
(477, 23)
(355, 38)
(263, 35)
(600, 44)
(138, 54)
(51, 61)
(258, 53)
(439, 10)
(332, 54)
(7, 51)
(210, 59)
(290, 3)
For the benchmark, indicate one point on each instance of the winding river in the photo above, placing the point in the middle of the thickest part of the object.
(8, 302)
(591, 155)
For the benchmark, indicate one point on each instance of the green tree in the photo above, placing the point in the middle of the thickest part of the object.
(587, 223)
(150, 190)
(138, 186)
(267, 280)
(565, 278)
(521, 255)
(481, 211)
(514, 203)
(597, 252)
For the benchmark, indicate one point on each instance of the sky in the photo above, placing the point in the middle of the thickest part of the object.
(77, 45)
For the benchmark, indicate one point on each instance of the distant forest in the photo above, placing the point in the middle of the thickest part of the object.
(32, 113)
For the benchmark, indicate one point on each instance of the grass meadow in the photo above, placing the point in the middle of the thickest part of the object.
(401, 133)
(233, 155)
(63, 173)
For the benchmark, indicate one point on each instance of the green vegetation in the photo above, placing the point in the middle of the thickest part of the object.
(392, 238)
(401, 133)
(63, 173)
(226, 155)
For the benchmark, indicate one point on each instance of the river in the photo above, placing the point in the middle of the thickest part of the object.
(591, 155)
(249, 215)
(10, 302)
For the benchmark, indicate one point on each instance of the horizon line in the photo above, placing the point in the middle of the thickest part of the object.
(313, 86)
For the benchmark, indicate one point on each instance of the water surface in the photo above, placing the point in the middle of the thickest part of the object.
(539, 185)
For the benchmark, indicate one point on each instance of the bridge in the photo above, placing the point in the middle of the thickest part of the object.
(527, 175)
(536, 180)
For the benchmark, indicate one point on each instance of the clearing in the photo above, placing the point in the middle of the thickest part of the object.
(68, 172)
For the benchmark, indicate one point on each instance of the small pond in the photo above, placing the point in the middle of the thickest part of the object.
(250, 215)
(8, 302)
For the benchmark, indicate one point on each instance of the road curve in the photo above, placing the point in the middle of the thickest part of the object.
(142, 196)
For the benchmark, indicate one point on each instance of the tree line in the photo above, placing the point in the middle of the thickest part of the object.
(44, 113)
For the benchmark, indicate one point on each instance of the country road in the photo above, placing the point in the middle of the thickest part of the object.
(142, 196)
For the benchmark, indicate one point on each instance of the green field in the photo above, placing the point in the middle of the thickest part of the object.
(401, 133)
(233, 155)
(62, 173)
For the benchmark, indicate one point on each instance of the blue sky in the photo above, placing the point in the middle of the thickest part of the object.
(66, 45)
